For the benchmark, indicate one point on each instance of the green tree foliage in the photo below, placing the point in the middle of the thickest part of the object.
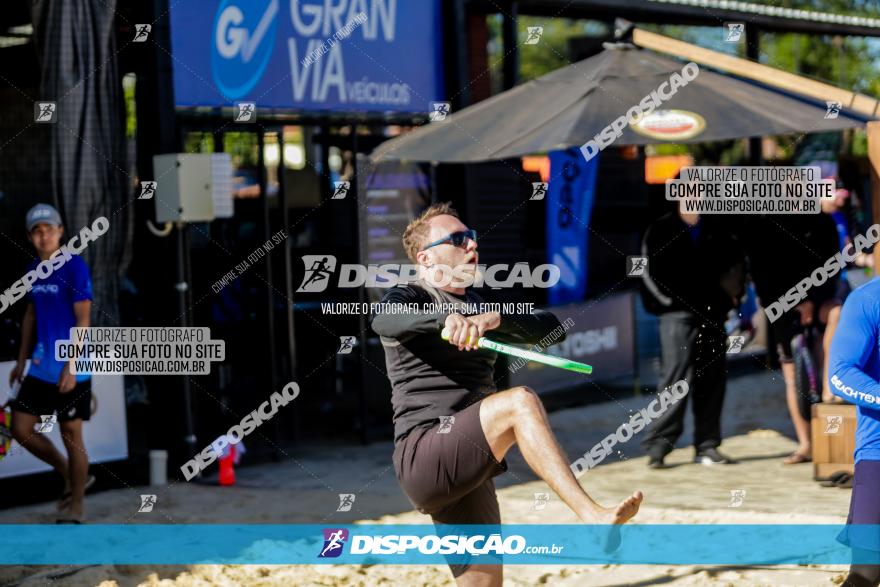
(536, 60)
(845, 61)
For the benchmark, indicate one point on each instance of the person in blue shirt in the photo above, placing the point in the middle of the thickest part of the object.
(834, 209)
(56, 303)
(854, 370)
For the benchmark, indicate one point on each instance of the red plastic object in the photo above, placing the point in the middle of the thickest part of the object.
(227, 470)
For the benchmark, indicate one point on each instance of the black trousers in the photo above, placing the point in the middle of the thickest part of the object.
(692, 349)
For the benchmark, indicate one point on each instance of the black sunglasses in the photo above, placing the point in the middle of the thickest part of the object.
(456, 238)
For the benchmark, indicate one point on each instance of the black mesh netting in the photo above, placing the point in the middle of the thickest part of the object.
(77, 53)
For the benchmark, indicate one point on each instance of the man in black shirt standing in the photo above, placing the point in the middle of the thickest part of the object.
(452, 428)
(694, 276)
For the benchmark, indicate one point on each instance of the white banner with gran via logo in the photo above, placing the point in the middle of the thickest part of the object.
(106, 434)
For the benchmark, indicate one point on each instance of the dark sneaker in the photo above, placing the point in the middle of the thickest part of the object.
(711, 456)
(655, 462)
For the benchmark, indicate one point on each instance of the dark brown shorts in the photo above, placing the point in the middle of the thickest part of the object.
(447, 471)
(448, 474)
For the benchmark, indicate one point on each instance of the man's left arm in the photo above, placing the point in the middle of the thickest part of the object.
(854, 342)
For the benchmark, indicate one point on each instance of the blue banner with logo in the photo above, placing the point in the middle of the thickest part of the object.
(570, 195)
(311, 55)
(551, 544)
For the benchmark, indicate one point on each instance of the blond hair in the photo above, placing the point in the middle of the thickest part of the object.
(416, 232)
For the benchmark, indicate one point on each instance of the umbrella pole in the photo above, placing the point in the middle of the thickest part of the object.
(510, 65)
(874, 159)
(753, 52)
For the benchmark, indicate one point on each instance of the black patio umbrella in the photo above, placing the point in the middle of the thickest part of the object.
(569, 106)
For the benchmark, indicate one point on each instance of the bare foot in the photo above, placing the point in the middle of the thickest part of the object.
(75, 508)
(617, 516)
(72, 514)
(64, 500)
(797, 457)
(622, 513)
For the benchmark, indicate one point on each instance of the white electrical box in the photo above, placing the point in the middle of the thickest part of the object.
(184, 191)
(221, 186)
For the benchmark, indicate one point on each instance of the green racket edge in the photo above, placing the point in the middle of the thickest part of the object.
(560, 362)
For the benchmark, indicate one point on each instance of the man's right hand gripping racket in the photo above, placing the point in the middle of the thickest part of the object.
(506, 349)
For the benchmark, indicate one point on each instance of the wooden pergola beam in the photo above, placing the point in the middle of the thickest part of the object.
(874, 158)
(764, 74)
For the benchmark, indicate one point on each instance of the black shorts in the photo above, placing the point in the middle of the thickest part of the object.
(789, 324)
(784, 330)
(862, 524)
(40, 398)
(448, 475)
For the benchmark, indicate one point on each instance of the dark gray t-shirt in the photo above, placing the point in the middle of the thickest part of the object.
(432, 378)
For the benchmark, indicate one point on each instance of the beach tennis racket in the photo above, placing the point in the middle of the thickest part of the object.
(506, 349)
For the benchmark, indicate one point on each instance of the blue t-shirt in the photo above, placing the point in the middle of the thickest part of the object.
(53, 299)
(854, 365)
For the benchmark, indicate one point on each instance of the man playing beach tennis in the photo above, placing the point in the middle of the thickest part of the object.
(854, 370)
(56, 304)
(452, 428)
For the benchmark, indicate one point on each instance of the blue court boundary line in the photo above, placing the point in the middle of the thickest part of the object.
(564, 544)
